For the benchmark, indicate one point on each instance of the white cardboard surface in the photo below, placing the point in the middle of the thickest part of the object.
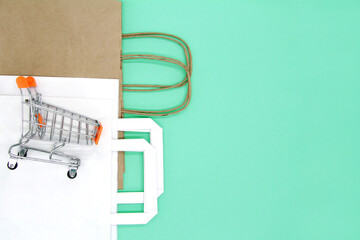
(37, 200)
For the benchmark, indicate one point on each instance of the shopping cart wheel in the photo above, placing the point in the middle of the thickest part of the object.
(12, 166)
(72, 174)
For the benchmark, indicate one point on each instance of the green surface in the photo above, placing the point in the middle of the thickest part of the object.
(269, 146)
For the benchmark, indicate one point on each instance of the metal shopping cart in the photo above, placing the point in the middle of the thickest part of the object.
(46, 122)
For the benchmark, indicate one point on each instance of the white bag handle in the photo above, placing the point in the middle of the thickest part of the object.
(149, 196)
(153, 170)
(156, 140)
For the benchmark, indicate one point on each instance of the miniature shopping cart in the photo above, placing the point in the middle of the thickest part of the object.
(46, 122)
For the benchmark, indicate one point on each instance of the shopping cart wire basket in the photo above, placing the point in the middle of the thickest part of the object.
(46, 122)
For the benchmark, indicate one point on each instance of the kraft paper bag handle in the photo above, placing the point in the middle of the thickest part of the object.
(146, 88)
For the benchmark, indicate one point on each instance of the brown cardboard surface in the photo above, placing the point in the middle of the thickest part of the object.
(62, 38)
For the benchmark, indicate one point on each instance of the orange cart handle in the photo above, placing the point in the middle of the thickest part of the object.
(23, 82)
(98, 134)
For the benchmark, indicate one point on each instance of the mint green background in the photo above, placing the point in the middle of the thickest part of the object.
(269, 146)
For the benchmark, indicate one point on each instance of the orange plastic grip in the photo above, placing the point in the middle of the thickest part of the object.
(98, 134)
(23, 82)
(40, 120)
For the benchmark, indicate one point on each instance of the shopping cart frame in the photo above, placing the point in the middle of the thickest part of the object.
(38, 130)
